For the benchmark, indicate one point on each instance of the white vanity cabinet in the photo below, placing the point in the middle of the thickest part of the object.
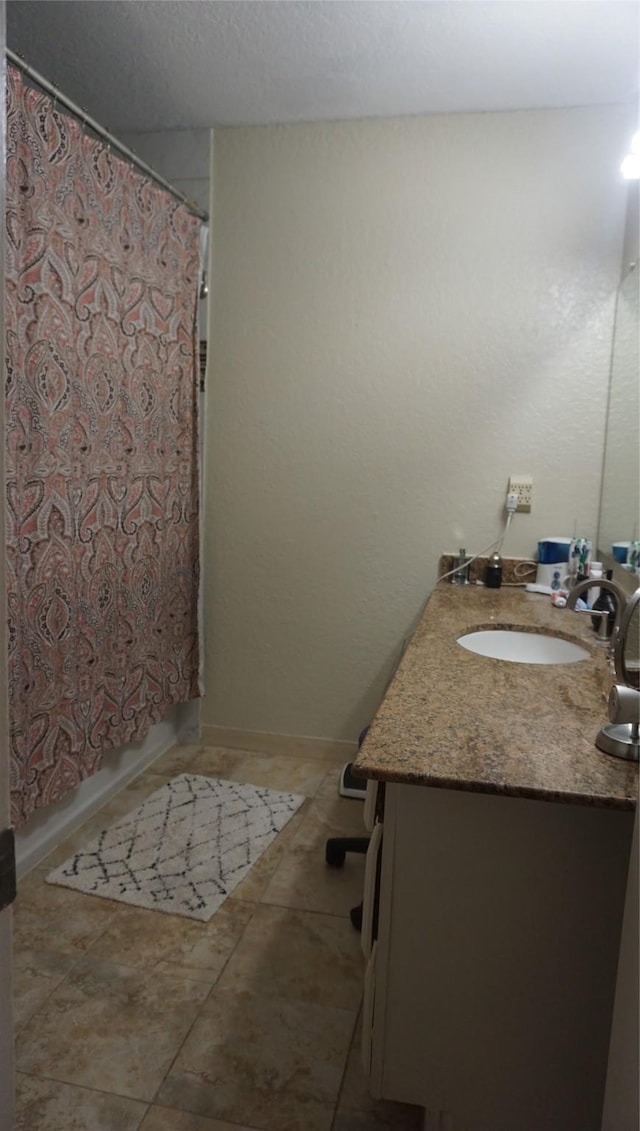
(489, 990)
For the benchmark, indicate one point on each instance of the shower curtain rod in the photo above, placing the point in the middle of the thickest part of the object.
(86, 120)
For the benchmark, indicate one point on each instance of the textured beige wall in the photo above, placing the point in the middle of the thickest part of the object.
(404, 312)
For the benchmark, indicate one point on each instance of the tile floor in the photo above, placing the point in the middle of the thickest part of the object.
(130, 1019)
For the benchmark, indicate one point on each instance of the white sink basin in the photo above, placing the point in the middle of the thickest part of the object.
(522, 647)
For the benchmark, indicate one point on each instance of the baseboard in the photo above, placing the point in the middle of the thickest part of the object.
(289, 744)
(48, 827)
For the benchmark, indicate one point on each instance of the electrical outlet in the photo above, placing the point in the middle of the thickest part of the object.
(522, 486)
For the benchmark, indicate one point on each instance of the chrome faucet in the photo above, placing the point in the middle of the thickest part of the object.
(621, 600)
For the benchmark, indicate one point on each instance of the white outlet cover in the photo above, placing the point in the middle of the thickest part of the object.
(522, 486)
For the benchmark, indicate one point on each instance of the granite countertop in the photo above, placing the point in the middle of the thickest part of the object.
(456, 720)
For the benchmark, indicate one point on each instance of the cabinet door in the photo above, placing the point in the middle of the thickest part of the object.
(368, 1009)
(496, 981)
(622, 1094)
(370, 803)
(370, 895)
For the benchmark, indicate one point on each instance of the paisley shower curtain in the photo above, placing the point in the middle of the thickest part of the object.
(102, 452)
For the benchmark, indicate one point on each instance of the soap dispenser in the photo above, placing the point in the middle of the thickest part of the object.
(493, 575)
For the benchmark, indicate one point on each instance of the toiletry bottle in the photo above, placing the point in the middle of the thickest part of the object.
(584, 570)
(579, 560)
(608, 604)
(594, 575)
(493, 575)
(461, 575)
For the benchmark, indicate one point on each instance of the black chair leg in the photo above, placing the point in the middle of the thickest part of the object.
(337, 847)
(356, 917)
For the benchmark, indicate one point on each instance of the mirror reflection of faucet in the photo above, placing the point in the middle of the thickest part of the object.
(605, 611)
(621, 737)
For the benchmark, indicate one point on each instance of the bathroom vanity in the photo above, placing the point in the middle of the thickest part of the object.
(501, 851)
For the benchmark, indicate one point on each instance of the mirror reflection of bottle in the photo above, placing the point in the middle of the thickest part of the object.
(594, 575)
(605, 603)
(579, 560)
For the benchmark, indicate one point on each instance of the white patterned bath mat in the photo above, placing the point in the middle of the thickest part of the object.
(184, 849)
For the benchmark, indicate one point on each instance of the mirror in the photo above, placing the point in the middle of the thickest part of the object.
(620, 497)
(627, 649)
(622, 736)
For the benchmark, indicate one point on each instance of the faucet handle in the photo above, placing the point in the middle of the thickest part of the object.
(611, 587)
(602, 628)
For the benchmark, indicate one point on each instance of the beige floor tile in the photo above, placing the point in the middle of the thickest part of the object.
(328, 790)
(303, 880)
(111, 1028)
(177, 760)
(262, 1061)
(325, 817)
(354, 1093)
(268, 1046)
(47, 1105)
(358, 1111)
(168, 1119)
(36, 973)
(285, 1112)
(277, 771)
(253, 886)
(298, 955)
(136, 937)
(113, 811)
(47, 917)
(71, 844)
(131, 797)
(379, 1121)
(216, 762)
(210, 761)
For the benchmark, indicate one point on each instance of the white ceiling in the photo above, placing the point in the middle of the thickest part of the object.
(175, 64)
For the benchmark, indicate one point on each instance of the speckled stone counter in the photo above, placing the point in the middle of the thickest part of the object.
(456, 720)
